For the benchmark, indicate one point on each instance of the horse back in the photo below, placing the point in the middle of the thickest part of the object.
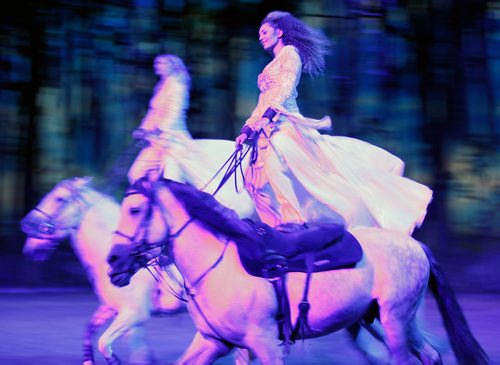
(399, 263)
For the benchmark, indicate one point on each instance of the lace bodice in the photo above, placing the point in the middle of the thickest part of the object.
(278, 83)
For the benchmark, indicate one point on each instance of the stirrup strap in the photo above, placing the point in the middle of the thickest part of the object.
(283, 314)
(304, 305)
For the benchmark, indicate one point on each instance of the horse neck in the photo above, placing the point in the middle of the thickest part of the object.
(92, 239)
(195, 249)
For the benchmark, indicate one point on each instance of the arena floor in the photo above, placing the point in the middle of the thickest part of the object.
(45, 328)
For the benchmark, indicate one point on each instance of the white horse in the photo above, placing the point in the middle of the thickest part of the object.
(75, 210)
(232, 309)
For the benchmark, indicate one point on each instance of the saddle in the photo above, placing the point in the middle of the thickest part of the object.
(331, 246)
(292, 248)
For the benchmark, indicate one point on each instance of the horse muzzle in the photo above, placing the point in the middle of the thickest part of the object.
(120, 279)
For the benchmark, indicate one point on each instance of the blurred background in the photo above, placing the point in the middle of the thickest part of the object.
(420, 78)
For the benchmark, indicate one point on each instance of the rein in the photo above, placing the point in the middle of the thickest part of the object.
(233, 163)
(145, 223)
(144, 227)
(155, 261)
(189, 291)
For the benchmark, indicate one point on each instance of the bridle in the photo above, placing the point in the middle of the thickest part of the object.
(46, 228)
(232, 165)
(140, 238)
(142, 247)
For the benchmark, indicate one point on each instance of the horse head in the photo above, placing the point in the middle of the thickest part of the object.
(145, 239)
(53, 219)
(124, 261)
(167, 218)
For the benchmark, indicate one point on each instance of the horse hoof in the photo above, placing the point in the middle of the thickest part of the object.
(113, 360)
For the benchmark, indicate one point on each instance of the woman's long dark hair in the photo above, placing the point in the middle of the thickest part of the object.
(311, 43)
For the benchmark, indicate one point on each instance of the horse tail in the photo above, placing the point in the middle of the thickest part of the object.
(466, 348)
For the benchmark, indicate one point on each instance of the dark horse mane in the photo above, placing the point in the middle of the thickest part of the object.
(216, 217)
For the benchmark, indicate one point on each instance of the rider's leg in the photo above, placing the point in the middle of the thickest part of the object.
(256, 183)
(172, 169)
(283, 189)
(147, 160)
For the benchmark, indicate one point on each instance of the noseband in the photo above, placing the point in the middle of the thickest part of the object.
(142, 246)
(140, 238)
(48, 226)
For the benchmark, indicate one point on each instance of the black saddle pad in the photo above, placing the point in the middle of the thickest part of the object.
(331, 245)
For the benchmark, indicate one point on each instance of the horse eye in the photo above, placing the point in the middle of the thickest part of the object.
(112, 259)
(134, 211)
(60, 199)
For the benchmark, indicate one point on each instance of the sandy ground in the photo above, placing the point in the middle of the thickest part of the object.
(45, 328)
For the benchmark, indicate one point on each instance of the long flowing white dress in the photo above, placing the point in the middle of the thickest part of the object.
(301, 175)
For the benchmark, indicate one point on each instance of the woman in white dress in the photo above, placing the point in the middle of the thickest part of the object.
(300, 175)
(171, 152)
(164, 126)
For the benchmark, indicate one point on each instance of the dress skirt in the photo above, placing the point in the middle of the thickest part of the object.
(343, 178)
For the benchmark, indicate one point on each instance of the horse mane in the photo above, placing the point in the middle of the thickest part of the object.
(216, 217)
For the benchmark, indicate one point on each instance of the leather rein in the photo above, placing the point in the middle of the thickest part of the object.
(143, 246)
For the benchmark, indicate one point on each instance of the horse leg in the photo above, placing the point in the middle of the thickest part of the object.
(126, 319)
(101, 315)
(363, 336)
(139, 350)
(203, 351)
(421, 348)
(265, 346)
(243, 356)
(397, 331)
(428, 355)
